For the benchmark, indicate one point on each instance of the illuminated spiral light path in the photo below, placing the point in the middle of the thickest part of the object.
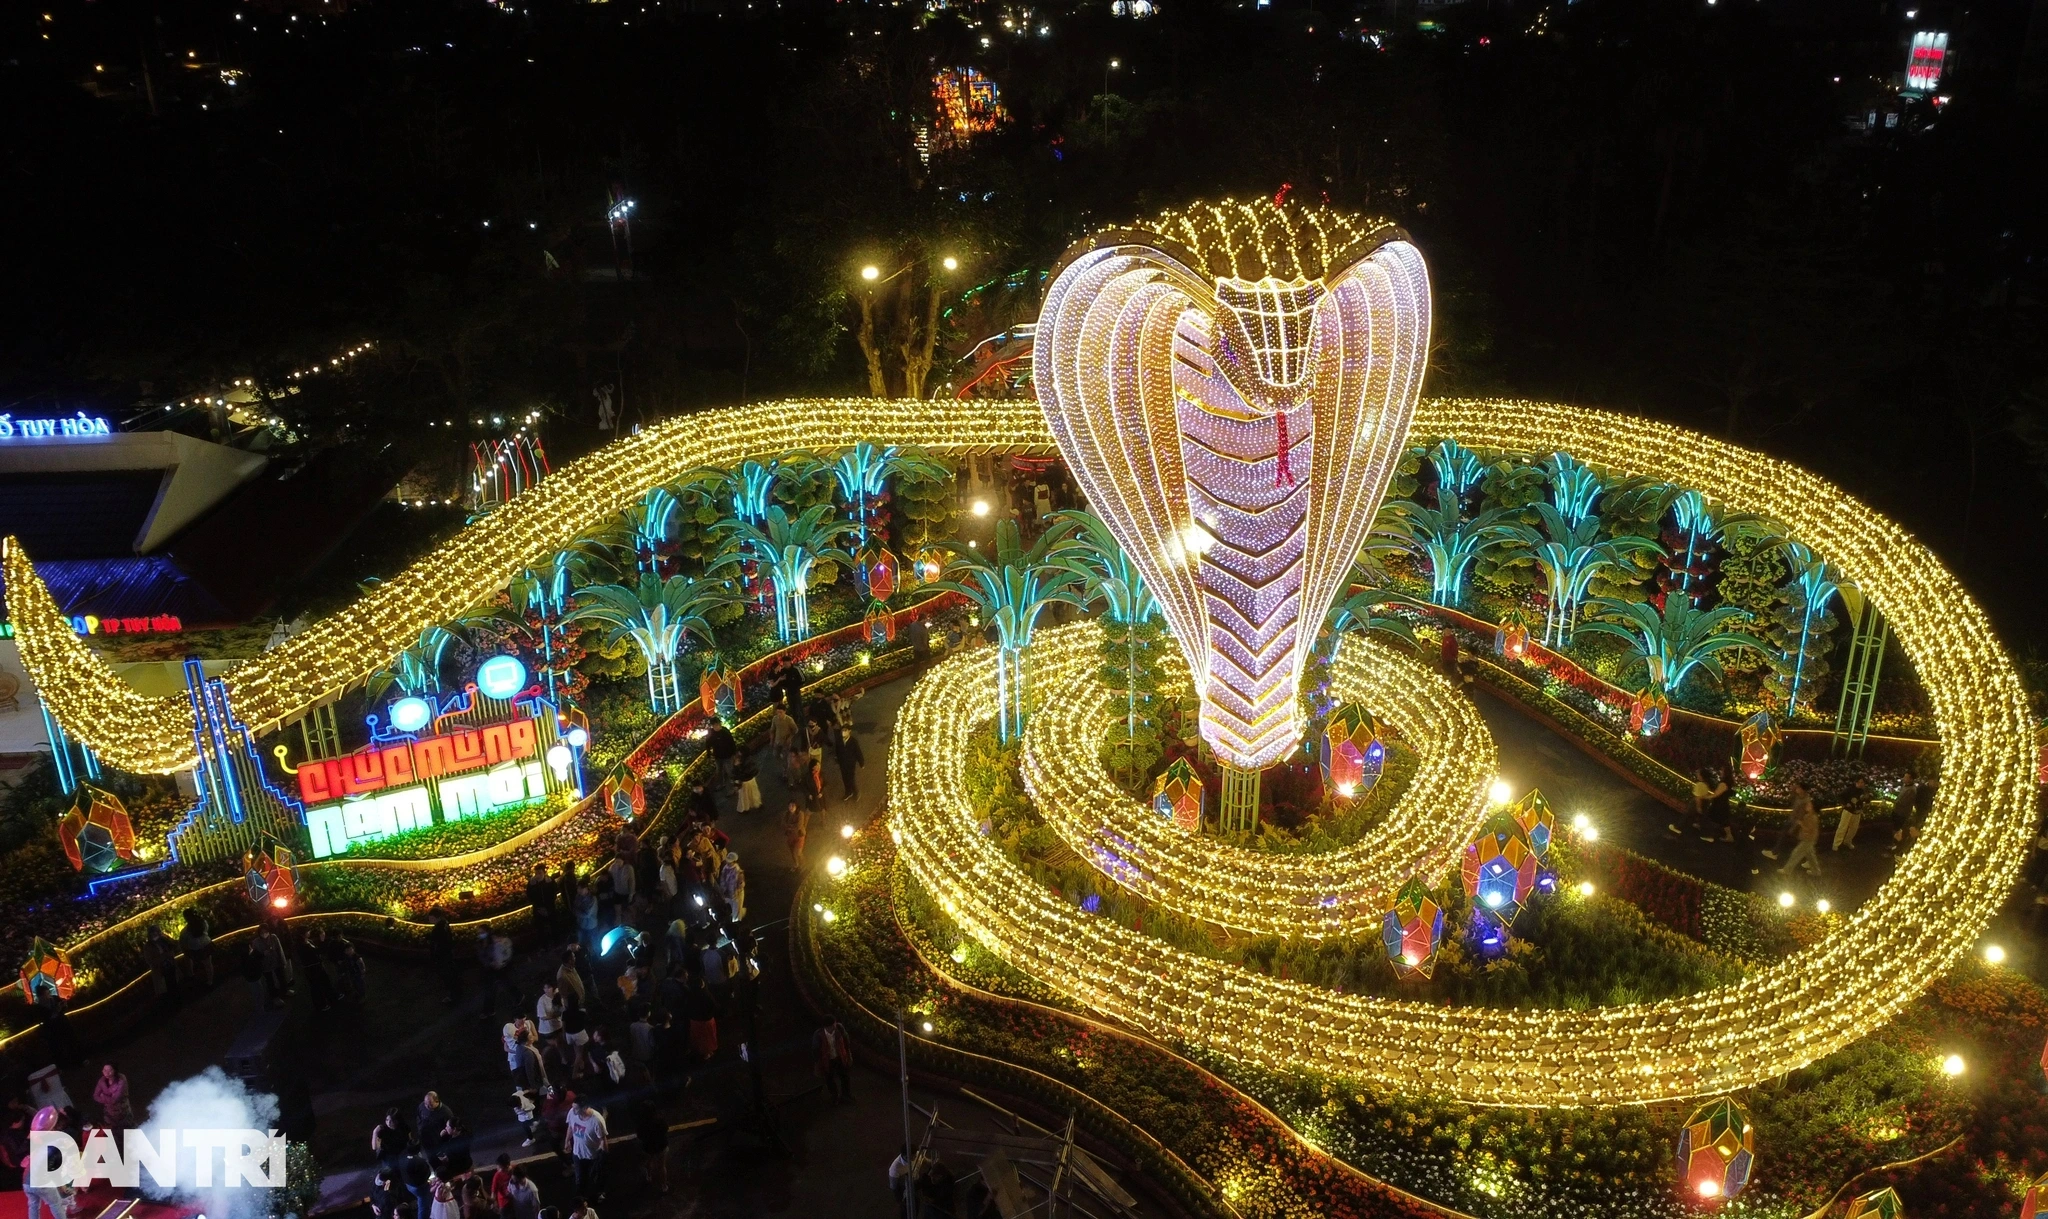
(1912, 930)
(1338, 892)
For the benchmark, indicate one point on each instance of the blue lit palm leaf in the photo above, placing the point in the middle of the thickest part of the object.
(789, 550)
(1445, 539)
(1570, 555)
(1672, 643)
(1013, 586)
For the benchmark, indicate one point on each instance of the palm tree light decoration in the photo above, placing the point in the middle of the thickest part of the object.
(1573, 487)
(1012, 586)
(653, 522)
(1570, 556)
(752, 487)
(1231, 386)
(1703, 527)
(1814, 577)
(1458, 471)
(1672, 643)
(1111, 579)
(1444, 538)
(416, 670)
(789, 549)
(659, 616)
(863, 470)
(543, 591)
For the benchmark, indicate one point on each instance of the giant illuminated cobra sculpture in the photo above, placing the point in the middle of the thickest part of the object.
(1231, 386)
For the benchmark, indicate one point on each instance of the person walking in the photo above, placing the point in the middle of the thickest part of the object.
(160, 954)
(782, 737)
(589, 916)
(732, 885)
(110, 1090)
(441, 951)
(746, 773)
(586, 1144)
(1720, 807)
(277, 970)
(846, 751)
(568, 981)
(1905, 814)
(1806, 831)
(446, 1203)
(494, 955)
(1853, 809)
(1702, 791)
(833, 1053)
(701, 1009)
(195, 938)
(650, 1129)
(796, 823)
(540, 895)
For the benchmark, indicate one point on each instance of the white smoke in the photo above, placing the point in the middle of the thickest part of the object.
(210, 1100)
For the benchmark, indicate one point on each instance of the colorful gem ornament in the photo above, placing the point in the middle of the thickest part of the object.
(1354, 751)
(623, 794)
(1716, 1150)
(881, 624)
(718, 689)
(1414, 930)
(1177, 796)
(1877, 1204)
(880, 566)
(96, 834)
(1533, 817)
(1511, 637)
(1649, 713)
(272, 876)
(1759, 736)
(46, 972)
(2034, 1204)
(1499, 869)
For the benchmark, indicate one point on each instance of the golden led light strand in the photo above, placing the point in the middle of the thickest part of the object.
(155, 735)
(1922, 920)
(1338, 892)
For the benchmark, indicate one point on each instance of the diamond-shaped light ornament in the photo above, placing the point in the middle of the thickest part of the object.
(880, 623)
(1877, 1204)
(1716, 1150)
(1533, 817)
(1649, 712)
(880, 566)
(1759, 734)
(1231, 385)
(1177, 795)
(2034, 1203)
(1499, 868)
(1511, 637)
(1354, 751)
(47, 971)
(96, 834)
(1414, 930)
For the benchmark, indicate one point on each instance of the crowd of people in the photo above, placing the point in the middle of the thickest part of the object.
(652, 977)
